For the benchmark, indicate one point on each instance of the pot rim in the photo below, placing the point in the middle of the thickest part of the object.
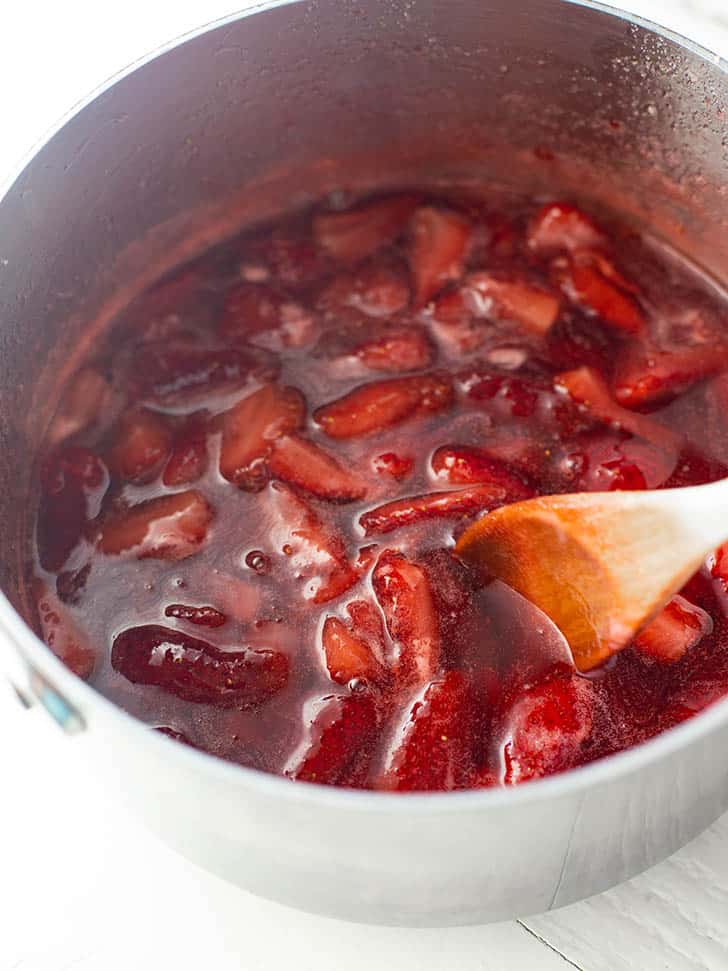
(35, 653)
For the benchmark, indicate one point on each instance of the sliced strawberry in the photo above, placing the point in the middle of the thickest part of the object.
(141, 446)
(348, 656)
(62, 634)
(188, 461)
(587, 387)
(675, 630)
(170, 527)
(73, 482)
(343, 729)
(468, 465)
(250, 428)
(200, 616)
(195, 670)
(403, 593)
(546, 727)
(351, 235)
(368, 625)
(391, 463)
(453, 504)
(377, 289)
(314, 552)
(257, 313)
(647, 376)
(301, 463)
(605, 462)
(560, 226)
(293, 260)
(430, 751)
(440, 240)
(604, 294)
(397, 349)
(529, 305)
(373, 407)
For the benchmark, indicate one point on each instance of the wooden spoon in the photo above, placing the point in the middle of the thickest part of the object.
(600, 564)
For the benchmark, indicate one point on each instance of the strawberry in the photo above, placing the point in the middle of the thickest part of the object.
(590, 282)
(529, 305)
(368, 625)
(250, 428)
(605, 462)
(440, 240)
(200, 616)
(430, 751)
(403, 593)
(187, 462)
(675, 630)
(343, 729)
(397, 349)
(73, 483)
(355, 233)
(293, 260)
(250, 308)
(648, 376)
(376, 289)
(456, 503)
(546, 727)
(391, 463)
(314, 552)
(141, 446)
(586, 387)
(468, 465)
(376, 406)
(560, 226)
(170, 527)
(301, 463)
(194, 670)
(63, 636)
(348, 656)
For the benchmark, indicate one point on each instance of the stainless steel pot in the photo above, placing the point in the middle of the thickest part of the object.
(261, 112)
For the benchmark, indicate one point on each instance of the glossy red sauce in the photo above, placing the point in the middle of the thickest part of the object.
(249, 498)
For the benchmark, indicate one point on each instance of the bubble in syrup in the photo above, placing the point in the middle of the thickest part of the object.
(258, 561)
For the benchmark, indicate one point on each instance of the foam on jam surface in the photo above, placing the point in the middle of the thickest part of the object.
(248, 500)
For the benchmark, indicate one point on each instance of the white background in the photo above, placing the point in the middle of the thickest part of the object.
(82, 888)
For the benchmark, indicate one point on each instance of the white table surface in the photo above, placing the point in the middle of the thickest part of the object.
(83, 887)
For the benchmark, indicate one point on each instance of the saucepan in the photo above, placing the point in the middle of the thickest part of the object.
(265, 111)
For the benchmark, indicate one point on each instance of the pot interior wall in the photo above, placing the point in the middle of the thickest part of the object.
(271, 110)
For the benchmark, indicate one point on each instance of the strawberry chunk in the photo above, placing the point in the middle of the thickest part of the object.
(398, 349)
(194, 670)
(181, 375)
(348, 656)
(560, 226)
(250, 428)
(343, 730)
(391, 463)
(611, 461)
(593, 284)
(314, 552)
(352, 234)
(588, 388)
(200, 616)
(187, 462)
(263, 316)
(439, 244)
(468, 465)
(62, 634)
(301, 463)
(403, 593)
(430, 751)
(674, 631)
(546, 728)
(292, 260)
(454, 504)
(141, 446)
(648, 376)
(531, 306)
(73, 482)
(170, 527)
(381, 404)
(368, 624)
(377, 289)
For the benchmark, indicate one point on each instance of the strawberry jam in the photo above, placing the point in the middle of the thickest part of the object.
(250, 496)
